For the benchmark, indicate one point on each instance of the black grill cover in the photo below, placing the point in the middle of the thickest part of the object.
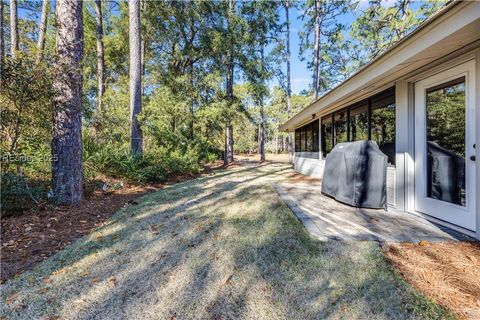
(356, 174)
(446, 174)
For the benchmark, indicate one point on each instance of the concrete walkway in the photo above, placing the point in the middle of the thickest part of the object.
(327, 219)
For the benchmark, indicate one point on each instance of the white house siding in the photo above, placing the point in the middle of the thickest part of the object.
(314, 168)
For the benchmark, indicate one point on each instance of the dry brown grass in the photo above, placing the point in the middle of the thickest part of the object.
(447, 272)
(223, 246)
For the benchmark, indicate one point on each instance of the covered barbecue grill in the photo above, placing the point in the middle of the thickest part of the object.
(356, 173)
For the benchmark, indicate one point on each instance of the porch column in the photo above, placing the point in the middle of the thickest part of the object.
(402, 134)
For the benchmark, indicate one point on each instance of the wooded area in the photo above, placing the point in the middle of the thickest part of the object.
(141, 90)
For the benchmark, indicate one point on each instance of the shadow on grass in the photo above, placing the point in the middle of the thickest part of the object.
(212, 248)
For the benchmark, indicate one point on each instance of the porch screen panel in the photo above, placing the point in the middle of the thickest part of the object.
(306, 137)
(303, 135)
(383, 124)
(359, 122)
(327, 134)
(370, 119)
(297, 141)
(316, 145)
(340, 126)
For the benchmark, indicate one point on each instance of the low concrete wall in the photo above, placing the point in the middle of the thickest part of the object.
(309, 167)
(314, 168)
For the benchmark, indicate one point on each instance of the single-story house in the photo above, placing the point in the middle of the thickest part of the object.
(420, 101)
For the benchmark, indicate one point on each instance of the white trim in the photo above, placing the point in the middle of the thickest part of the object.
(469, 233)
(462, 216)
(477, 135)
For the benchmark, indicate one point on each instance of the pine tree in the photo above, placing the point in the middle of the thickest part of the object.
(42, 29)
(14, 47)
(67, 166)
(229, 86)
(100, 54)
(136, 135)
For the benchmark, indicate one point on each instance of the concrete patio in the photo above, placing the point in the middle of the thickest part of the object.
(327, 219)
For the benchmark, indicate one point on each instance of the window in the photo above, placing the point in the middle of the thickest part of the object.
(327, 134)
(306, 138)
(371, 119)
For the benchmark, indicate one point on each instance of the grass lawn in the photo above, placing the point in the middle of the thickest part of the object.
(222, 246)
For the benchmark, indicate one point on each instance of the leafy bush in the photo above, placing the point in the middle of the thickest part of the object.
(19, 194)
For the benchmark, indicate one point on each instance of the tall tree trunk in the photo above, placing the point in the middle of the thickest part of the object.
(136, 136)
(316, 51)
(67, 167)
(100, 54)
(192, 102)
(229, 86)
(42, 30)
(2, 43)
(13, 29)
(262, 111)
(261, 133)
(289, 83)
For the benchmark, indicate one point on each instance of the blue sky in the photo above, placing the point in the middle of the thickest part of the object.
(301, 76)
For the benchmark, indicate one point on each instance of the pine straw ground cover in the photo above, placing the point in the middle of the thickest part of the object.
(447, 272)
(222, 246)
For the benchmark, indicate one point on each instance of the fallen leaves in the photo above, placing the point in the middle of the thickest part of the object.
(112, 281)
(423, 243)
(84, 274)
(11, 298)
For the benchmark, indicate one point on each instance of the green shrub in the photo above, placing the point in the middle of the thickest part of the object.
(18, 194)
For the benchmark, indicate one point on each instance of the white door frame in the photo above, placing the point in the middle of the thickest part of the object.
(462, 216)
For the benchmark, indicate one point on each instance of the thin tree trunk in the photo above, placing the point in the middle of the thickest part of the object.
(404, 5)
(100, 54)
(276, 141)
(316, 51)
(229, 86)
(192, 103)
(262, 132)
(2, 42)
(42, 30)
(289, 83)
(13, 29)
(136, 136)
(262, 111)
(67, 166)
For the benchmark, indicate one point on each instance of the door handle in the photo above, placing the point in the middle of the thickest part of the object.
(473, 158)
